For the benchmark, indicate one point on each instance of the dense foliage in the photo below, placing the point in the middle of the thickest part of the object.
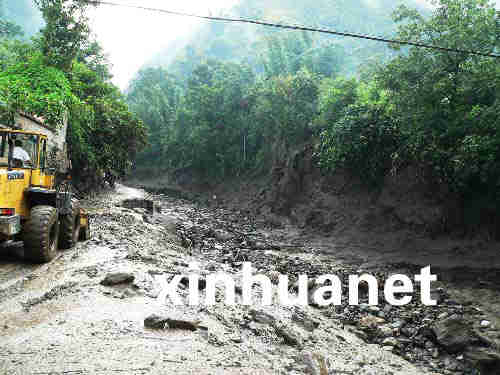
(437, 111)
(33, 87)
(63, 75)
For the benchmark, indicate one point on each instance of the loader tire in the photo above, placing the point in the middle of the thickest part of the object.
(70, 227)
(41, 234)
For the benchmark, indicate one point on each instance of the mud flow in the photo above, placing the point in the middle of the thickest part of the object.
(96, 309)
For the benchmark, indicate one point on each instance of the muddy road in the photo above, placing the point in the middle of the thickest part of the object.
(59, 318)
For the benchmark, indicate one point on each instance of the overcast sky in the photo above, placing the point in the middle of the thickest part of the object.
(131, 37)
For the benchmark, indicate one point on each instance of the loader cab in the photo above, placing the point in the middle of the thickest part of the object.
(26, 152)
(24, 170)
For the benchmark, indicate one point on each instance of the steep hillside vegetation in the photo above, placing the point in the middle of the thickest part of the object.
(433, 111)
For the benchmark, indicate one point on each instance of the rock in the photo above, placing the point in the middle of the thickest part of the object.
(370, 321)
(289, 335)
(485, 323)
(485, 359)
(385, 330)
(160, 322)
(453, 333)
(390, 341)
(306, 322)
(139, 204)
(156, 322)
(237, 339)
(183, 324)
(429, 345)
(258, 245)
(262, 317)
(140, 211)
(223, 236)
(443, 315)
(398, 324)
(117, 278)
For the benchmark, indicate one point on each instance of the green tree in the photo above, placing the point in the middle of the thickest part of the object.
(66, 31)
(283, 114)
(154, 95)
(445, 99)
(31, 86)
(104, 135)
(210, 122)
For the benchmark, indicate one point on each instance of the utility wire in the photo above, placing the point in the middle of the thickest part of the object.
(295, 27)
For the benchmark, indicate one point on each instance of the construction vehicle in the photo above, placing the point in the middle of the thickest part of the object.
(45, 217)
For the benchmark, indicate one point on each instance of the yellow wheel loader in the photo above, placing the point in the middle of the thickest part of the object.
(32, 208)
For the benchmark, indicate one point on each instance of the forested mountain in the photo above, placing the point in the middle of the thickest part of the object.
(241, 98)
(243, 43)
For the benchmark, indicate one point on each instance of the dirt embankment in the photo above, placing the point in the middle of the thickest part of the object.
(407, 218)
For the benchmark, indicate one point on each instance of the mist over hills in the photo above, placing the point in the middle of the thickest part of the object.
(241, 42)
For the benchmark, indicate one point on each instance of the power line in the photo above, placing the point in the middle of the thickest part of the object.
(295, 27)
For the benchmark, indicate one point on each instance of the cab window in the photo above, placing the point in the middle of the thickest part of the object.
(43, 154)
(26, 150)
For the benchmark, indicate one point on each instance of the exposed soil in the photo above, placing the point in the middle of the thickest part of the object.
(58, 318)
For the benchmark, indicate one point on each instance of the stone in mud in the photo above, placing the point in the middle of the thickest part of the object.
(117, 278)
(290, 336)
(223, 235)
(183, 324)
(156, 322)
(146, 204)
(453, 333)
(385, 330)
(306, 322)
(161, 322)
(262, 317)
(390, 341)
(485, 323)
(486, 360)
(371, 321)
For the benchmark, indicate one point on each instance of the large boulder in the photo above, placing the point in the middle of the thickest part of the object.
(118, 278)
(453, 334)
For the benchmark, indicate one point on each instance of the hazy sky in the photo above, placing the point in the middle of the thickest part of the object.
(131, 37)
